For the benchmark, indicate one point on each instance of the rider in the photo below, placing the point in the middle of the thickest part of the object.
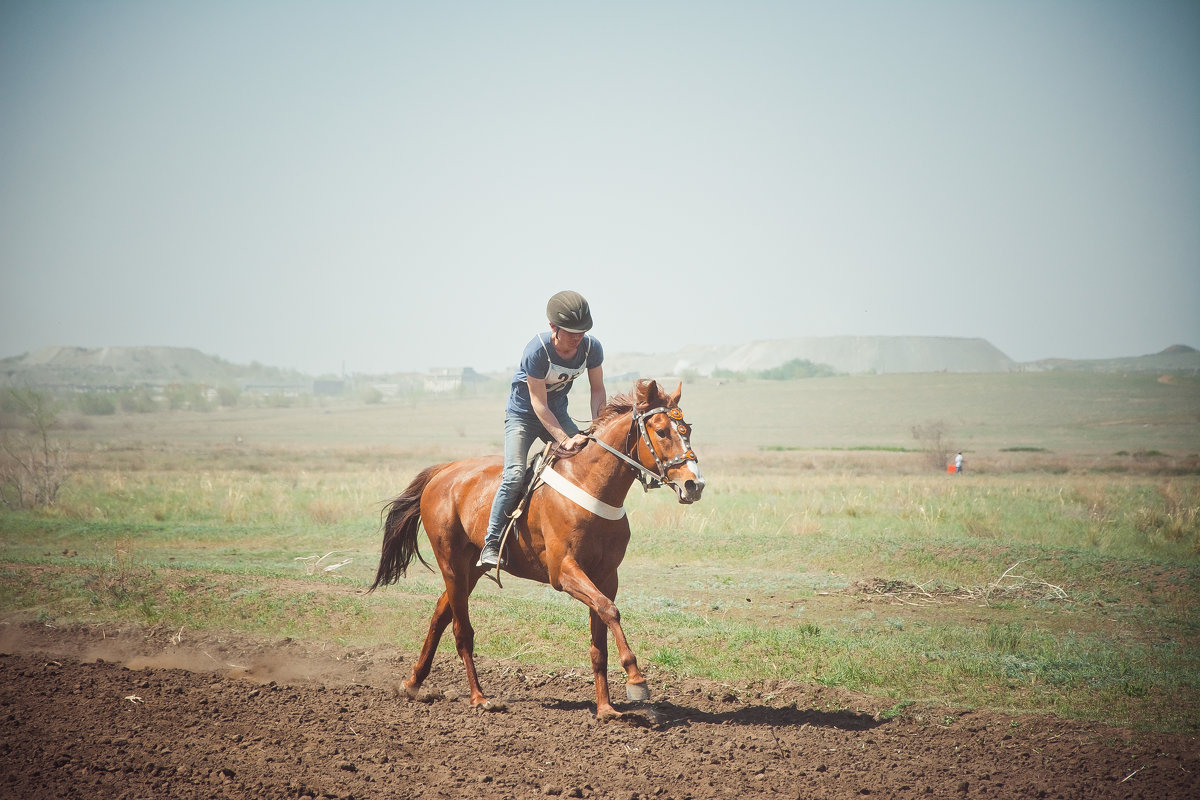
(537, 404)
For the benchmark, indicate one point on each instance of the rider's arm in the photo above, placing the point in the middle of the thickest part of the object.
(541, 407)
(596, 381)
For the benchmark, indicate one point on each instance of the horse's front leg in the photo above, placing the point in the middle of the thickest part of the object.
(605, 617)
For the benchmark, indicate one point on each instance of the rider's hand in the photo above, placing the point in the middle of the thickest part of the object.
(574, 443)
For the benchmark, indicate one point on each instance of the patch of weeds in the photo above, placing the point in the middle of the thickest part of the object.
(1004, 638)
(845, 672)
(896, 711)
(668, 658)
(124, 588)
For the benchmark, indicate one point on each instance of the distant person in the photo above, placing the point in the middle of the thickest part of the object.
(537, 403)
(958, 463)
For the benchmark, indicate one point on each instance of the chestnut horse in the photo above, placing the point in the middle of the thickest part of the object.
(574, 545)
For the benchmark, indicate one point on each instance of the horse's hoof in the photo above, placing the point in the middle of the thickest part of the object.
(410, 692)
(637, 691)
(494, 704)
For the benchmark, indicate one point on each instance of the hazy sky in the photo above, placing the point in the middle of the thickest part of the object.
(393, 186)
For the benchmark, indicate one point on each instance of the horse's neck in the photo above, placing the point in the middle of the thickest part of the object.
(598, 471)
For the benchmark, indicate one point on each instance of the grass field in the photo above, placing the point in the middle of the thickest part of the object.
(1058, 574)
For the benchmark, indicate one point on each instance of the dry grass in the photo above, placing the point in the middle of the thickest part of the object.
(1007, 587)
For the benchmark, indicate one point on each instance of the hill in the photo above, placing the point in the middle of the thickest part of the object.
(879, 355)
(1176, 358)
(846, 354)
(132, 366)
(112, 367)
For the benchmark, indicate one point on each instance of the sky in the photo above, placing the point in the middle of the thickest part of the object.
(373, 187)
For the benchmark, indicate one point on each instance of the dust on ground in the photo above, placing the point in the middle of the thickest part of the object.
(105, 712)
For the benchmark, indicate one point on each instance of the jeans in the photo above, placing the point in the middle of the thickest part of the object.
(519, 435)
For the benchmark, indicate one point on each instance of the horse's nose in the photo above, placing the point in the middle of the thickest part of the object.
(694, 488)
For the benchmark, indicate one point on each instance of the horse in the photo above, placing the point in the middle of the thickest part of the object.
(572, 537)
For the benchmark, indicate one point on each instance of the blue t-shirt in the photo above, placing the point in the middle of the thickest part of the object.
(540, 360)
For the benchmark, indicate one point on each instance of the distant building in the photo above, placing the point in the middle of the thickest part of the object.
(328, 388)
(275, 389)
(453, 379)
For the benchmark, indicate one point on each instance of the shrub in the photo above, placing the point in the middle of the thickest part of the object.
(189, 396)
(96, 404)
(137, 401)
(228, 396)
(33, 467)
(932, 438)
(795, 369)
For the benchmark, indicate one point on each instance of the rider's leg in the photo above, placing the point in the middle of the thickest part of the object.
(519, 436)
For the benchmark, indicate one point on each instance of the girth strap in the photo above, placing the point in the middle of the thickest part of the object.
(578, 496)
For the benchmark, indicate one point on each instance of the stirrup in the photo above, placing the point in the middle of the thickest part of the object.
(500, 559)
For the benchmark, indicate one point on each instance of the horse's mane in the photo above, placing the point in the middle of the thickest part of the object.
(617, 405)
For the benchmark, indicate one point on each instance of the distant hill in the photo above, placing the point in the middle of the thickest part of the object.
(79, 367)
(857, 355)
(1176, 358)
(132, 366)
(845, 354)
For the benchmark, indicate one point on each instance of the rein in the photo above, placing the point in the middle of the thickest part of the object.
(648, 478)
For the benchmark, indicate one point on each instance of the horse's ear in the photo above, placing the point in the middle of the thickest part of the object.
(648, 393)
(673, 400)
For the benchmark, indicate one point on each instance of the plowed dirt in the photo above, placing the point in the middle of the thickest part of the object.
(100, 712)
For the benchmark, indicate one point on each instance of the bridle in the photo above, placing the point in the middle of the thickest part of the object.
(649, 479)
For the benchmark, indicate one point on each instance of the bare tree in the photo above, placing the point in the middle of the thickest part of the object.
(33, 466)
(932, 438)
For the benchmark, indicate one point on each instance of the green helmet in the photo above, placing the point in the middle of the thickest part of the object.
(569, 311)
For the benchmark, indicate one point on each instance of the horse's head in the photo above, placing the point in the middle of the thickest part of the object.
(664, 445)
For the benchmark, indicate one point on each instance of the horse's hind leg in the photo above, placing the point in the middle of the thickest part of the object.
(451, 607)
(464, 636)
(442, 614)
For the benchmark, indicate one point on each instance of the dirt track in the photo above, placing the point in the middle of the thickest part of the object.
(101, 713)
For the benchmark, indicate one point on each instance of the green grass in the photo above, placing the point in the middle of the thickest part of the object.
(824, 551)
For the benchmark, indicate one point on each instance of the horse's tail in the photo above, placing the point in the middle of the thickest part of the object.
(401, 520)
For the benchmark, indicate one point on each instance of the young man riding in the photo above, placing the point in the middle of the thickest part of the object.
(537, 403)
